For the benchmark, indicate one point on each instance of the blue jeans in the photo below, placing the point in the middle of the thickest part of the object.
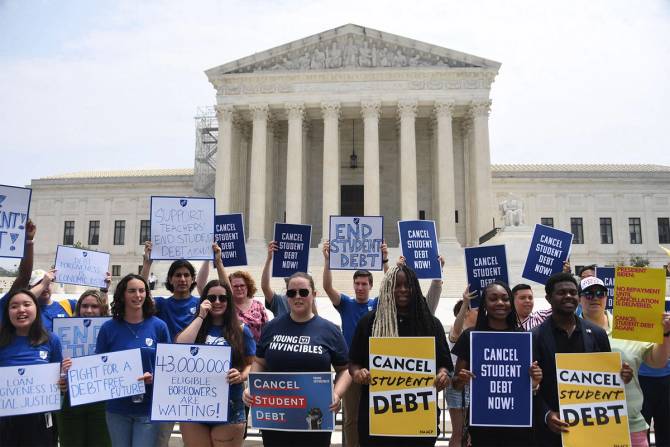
(131, 431)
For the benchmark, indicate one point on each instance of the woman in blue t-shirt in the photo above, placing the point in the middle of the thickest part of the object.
(24, 341)
(216, 323)
(133, 326)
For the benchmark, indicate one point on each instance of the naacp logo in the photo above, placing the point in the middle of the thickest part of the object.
(87, 322)
(148, 341)
(183, 202)
(43, 355)
(104, 359)
(303, 340)
(22, 371)
(194, 350)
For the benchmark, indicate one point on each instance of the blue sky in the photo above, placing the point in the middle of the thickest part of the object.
(114, 85)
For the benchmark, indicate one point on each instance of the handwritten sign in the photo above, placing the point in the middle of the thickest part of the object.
(355, 242)
(190, 383)
(293, 253)
(418, 240)
(81, 267)
(501, 393)
(485, 265)
(229, 234)
(403, 401)
(182, 227)
(606, 274)
(108, 376)
(29, 389)
(292, 401)
(592, 399)
(14, 208)
(78, 335)
(549, 249)
(639, 302)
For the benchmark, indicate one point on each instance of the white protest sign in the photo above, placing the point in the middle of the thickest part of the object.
(99, 377)
(81, 267)
(190, 383)
(355, 242)
(14, 207)
(182, 228)
(78, 335)
(29, 389)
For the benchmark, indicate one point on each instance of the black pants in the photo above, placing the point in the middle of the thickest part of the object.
(656, 406)
(501, 437)
(276, 438)
(29, 430)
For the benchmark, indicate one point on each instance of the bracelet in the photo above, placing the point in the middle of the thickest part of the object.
(200, 316)
(384, 261)
(104, 289)
(29, 242)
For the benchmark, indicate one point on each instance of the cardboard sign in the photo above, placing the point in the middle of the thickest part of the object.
(293, 253)
(418, 240)
(100, 377)
(182, 228)
(485, 265)
(229, 234)
(14, 209)
(29, 389)
(292, 401)
(549, 249)
(78, 335)
(81, 267)
(592, 399)
(606, 274)
(639, 302)
(403, 400)
(355, 242)
(190, 383)
(501, 393)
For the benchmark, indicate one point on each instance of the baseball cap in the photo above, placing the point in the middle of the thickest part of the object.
(591, 281)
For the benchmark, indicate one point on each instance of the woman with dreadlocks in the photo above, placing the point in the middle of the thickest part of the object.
(496, 313)
(401, 311)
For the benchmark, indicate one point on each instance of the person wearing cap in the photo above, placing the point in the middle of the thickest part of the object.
(40, 285)
(593, 295)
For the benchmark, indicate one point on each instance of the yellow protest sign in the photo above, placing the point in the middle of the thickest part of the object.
(592, 400)
(403, 401)
(639, 302)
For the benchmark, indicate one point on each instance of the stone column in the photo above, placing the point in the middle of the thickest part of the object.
(481, 157)
(306, 161)
(294, 163)
(223, 182)
(408, 179)
(257, 202)
(444, 160)
(468, 171)
(331, 163)
(371, 190)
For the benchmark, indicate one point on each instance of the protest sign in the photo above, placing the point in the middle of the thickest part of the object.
(418, 240)
(78, 336)
(639, 302)
(182, 227)
(592, 399)
(81, 267)
(549, 249)
(501, 393)
(403, 401)
(100, 377)
(229, 234)
(190, 383)
(292, 401)
(606, 274)
(355, 242)
(293, 249)
(14, 208)
(485, 265)
(29, 389)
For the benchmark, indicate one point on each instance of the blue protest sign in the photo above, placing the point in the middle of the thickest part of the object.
(29, 389)
(190, 383)
(78, 335)
(229, 234)
(355, 242)
(485, 265)
(501, 392)
(14, 208)
(292, 401)
(549, 249)
(293, 253)
(81, 267)
(606, 274)
(418, 240)
(182, 228)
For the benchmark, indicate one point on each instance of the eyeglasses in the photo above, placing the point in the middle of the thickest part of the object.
(213, 298)
(591, 294)
(291, 293)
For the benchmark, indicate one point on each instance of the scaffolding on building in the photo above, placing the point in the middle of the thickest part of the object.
(206, 137)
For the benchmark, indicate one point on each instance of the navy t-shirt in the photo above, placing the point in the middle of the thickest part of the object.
(21, 352)
(176, 313)
(279, 305)
(350, 312)
(118, 335)
(215, 337)
(289, 346)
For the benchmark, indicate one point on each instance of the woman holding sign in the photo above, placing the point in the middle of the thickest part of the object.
(216, 323)
(24, 341)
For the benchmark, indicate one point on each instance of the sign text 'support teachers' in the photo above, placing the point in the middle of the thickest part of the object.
(14, 209)
(78, 335)
(355, 242)
(418, 240)
(81, 267)
(29, 389)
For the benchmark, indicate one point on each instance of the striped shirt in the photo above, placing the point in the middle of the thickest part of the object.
(535, 319)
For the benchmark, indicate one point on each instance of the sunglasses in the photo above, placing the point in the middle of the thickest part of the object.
(591, 294)
(213, 298)
(291, 293)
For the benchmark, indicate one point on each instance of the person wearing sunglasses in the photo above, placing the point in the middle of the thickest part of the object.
(593, 295)
(216, 323)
